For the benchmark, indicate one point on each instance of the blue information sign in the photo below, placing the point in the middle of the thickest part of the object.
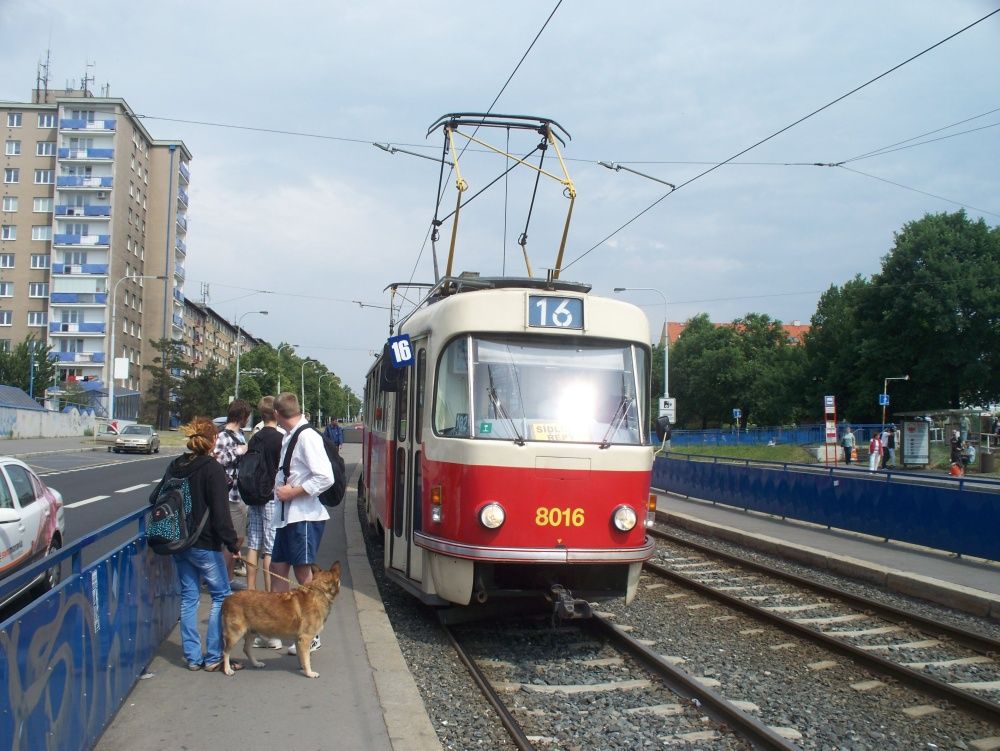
(400, 351)
(546, 311)
(883, 400)
(737, 413)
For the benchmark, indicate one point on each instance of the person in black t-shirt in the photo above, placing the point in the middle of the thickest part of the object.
(260, 519)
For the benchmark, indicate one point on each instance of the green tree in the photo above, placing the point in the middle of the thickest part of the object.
(203, 394)
(708, 368)
(28, 367)
(166, 371)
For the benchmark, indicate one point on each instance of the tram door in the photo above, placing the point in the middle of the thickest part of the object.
(406, 496)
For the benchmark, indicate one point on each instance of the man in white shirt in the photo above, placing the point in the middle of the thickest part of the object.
(302, 516)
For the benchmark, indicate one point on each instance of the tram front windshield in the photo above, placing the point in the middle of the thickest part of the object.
(564, 390)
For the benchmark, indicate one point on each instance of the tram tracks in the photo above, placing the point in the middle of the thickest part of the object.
(571, 687)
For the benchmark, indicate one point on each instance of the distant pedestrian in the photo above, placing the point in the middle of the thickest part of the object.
(964, 426)
(884, 438)
(889, 449)
(956, 453)
(848, 441)
(334, 433)
(874, 452)
(229, 447)
(968, 455)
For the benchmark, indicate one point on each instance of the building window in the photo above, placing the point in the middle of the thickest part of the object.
(38, 289)
(6, 260)
(12, 148)
(45, 148)
(38, 318)
(85, 115)
(77, 229)
(6, 317)
(8, 232)
(76, 257)
(42, 206)
(11, 175)
(10, 203)
(13, 119)
(47, 120)
(40, 260)
(6, 289)
(41, 232)
(45, 176)
(4, 345)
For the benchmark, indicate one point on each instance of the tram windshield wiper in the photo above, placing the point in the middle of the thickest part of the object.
(616, 420)
(499, 408)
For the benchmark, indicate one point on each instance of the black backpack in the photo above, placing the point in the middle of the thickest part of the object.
(333, 495)
(170, 525)
(254, 480)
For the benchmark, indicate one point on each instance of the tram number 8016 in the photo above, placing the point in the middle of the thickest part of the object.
(559, 517)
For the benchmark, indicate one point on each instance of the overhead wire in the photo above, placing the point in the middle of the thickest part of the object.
(917, 190)
(779, 132)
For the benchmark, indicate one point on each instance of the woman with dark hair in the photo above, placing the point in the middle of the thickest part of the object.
(203, 561)
(230, 445)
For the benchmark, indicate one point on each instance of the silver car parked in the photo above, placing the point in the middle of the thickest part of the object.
(137, 438)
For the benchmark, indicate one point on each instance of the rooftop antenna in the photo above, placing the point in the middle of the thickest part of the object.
(87, 79)
(106, 90)
(204, 293)
(42, 79)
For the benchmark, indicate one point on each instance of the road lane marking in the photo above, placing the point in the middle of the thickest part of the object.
(118, 463)
(84, 502)
(133, 487)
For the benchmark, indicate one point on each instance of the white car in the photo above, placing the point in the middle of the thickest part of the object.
(32, 524)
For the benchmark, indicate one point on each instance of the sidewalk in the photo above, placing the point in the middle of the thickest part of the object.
(22, 447)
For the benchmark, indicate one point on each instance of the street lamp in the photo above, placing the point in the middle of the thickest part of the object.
(885, 391)
(239, 347)
(666, 333)
(111, 364)
(307, 361)
(319, 399)
(281, 347)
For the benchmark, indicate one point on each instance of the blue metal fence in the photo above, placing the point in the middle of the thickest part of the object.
(69, 659)
(793, 434)
(961, 515)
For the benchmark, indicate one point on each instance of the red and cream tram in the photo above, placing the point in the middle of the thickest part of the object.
(510, 456)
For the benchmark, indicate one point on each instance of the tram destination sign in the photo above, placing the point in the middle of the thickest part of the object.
(549, 312)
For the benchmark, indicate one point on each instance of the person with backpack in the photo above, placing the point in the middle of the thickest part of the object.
(201, 481)
(304, 474)
(255, 481)
(230, 446)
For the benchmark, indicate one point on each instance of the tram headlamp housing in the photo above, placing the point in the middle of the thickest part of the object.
(624, 518)
(492, 515)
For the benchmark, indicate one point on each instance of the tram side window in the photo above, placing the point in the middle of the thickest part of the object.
(451, 403)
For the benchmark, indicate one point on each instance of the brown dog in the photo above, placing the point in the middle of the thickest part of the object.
(299, 614)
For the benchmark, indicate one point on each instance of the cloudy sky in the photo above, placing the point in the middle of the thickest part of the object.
(667, 88)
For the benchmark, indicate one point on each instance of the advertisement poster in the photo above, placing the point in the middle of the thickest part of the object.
(916, 443)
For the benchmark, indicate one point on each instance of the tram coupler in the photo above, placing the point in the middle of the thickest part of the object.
(566, 607)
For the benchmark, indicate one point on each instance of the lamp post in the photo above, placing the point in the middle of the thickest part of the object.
(111, 354)
(307, 361)
(239, 347)
(666, 334)
(885, 390)
(319, 399)
(281, 347)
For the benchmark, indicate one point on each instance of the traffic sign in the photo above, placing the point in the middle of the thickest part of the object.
(737, 413)
(829, 402)
(883, 400)
(668, 407)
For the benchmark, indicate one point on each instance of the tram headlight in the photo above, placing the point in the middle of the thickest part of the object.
(624, 518)
(492, 515)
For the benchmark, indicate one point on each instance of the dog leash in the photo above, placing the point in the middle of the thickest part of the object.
(279, 576)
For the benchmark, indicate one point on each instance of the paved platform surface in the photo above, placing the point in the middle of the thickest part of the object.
(365, 697)
(966, 584)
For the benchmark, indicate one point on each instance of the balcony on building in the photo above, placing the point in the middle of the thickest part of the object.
(82, 181)
(178, 295)
(178, 322)
(63, 239)
(182, 197)
(71, 123)
(57, 327)
(179, 271)
(87, 155)
(100, 269)
(185, 173)
(182, 222)
(91, 211)
(74, 357)
(180, 245)
(78, 298)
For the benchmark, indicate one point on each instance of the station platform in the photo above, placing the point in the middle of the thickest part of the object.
(967, 584)
(365, 697)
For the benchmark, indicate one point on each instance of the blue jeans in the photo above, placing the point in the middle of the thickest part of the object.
(193, 565)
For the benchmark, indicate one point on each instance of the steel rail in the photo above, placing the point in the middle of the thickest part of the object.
(513, 727)
(978, 642)
(759, 735)
(982, 708)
